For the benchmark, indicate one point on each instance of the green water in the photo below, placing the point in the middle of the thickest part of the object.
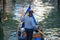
(10, 26)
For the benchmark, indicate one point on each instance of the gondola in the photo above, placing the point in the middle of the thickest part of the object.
(36, 34)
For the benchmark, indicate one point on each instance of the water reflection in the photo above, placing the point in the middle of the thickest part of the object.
(38, 7)
(39, 10)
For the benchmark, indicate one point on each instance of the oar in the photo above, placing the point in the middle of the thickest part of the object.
(44, 34)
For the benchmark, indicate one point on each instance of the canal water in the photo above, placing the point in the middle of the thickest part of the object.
(39, 9)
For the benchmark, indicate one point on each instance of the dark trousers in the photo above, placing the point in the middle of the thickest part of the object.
(29, 34)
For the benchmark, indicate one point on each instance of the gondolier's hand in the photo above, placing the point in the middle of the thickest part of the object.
(36, 27)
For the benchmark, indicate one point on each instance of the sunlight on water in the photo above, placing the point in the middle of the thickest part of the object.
(40, 9)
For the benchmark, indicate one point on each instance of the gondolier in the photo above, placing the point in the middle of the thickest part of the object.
(29, 25)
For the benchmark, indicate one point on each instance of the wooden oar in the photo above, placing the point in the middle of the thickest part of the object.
(44, 34)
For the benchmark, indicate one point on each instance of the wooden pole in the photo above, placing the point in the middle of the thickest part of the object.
(44, 35)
